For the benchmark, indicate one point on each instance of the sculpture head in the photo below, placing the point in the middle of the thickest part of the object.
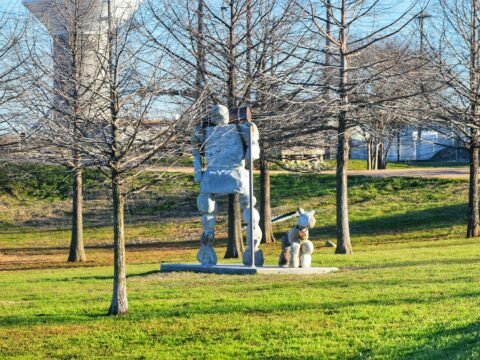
(219, 115)
(306, 218)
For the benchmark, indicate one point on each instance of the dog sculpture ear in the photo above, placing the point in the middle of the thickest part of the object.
(311, 218)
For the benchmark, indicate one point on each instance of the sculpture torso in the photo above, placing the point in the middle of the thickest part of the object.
(225, 156)
(223, 147)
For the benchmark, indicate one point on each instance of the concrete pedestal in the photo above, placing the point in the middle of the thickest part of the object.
(244, 270)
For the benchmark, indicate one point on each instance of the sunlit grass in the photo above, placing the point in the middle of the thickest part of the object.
(410, 290)
(362, 164)
(411, 300)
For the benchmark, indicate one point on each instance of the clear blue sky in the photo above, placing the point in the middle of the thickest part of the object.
(15, 7)
(12, 6)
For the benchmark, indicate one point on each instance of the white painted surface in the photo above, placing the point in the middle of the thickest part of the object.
(245, 270)
(56, 15)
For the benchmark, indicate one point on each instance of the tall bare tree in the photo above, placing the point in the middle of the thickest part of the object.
(350, 29)
(117, 113)
(454, 46)
(136, 79)
(249, 54)
(63, 80)
(404, 77)
(12, 30)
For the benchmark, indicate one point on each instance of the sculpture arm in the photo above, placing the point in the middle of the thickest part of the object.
(255, 150)
(197, 141)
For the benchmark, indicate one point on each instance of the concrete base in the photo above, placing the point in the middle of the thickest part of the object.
(243, 270)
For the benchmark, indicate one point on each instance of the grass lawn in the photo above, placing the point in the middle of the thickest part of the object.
(355, 165)
(187, 161)
(389, 301)
(410, 290)
(362, 164)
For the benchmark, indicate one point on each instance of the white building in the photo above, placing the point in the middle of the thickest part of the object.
(432, 146)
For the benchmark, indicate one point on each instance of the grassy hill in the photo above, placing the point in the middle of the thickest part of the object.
(409, 291)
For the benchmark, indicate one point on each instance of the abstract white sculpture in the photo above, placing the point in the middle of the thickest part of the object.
(297, 249)
(225, 148)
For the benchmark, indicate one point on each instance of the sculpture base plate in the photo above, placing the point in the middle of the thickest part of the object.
(237, 269)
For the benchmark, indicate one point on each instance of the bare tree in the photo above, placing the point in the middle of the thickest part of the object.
(63, 79)
(124, 143)
(249, 55)
(12, 29)
(455, 48)
(403, 78)
(113, 109)
(347, 40)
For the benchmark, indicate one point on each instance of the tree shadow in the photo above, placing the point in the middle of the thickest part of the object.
(426, 219)
(182, 244)
(461, 342)
(469, 335)
(411, 263)
(142, 275)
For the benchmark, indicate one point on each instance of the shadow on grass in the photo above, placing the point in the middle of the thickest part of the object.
(439, 217)
(461, 342)
(182, 244)
(145, 274)
(168, 208)
(187, 308)
(108, 277)
(411, 263)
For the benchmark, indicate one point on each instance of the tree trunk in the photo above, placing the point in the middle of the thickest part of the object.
(399, 147)
(77, 250)
(328, 32)
(382, 162)
(344, 245)
(473, 225)
(248, 51)
(234, 213)
(265, 206)
(369, 154)
(235, 240)
(200, 69)
(375, 161)
(119, 304)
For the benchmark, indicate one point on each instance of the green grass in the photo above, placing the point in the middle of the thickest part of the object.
(410, 291)
(25, 181)
(355, 165)
(381, 210)
(401, 301)
(362, 164)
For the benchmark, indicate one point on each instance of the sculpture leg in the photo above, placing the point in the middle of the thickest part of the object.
(208, 208)
(295, 255)
(257, 232)
(306, 256)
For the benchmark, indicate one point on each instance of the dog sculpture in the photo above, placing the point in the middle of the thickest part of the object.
(297, 249)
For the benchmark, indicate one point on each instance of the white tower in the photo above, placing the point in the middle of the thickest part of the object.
(85, 24)
(55, 14)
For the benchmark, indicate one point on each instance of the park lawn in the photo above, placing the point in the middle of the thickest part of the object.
(409, 291)
(362, 164)
(397, 301)
(381, 210)
(187, 161)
